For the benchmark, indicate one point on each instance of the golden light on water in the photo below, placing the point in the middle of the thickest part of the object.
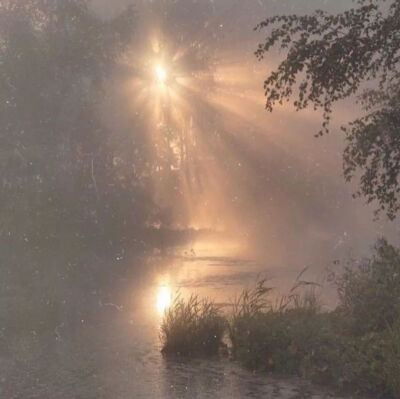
(164, 298)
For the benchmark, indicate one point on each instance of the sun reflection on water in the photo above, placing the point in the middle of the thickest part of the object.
(164, 298)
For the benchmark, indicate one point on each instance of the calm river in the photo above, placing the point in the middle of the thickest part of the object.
(111, 348)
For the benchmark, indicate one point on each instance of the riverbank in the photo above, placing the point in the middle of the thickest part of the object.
(353, 348)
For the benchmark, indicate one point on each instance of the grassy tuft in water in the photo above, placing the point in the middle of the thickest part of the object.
(355, 347)
(192, 327)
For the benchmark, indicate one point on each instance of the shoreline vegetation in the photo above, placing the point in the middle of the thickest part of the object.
(353, 348)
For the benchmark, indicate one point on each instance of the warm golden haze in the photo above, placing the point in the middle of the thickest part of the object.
(161, 74)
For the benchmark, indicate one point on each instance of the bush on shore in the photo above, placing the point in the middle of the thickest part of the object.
(369, 291)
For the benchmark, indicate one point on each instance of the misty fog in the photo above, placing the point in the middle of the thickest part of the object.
(138, 159)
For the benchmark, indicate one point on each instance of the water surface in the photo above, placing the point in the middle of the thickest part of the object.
(106, 343)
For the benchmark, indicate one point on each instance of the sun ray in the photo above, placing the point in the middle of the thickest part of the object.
(196, 120)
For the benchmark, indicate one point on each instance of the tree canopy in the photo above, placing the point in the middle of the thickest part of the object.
(330, 57)
(57, 156)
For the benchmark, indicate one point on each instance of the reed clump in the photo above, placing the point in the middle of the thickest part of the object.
(192, 327)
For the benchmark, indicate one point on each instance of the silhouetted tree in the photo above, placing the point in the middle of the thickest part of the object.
(331, 57)
(60, 166)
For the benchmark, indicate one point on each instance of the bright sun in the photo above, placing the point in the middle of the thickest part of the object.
(161, 74)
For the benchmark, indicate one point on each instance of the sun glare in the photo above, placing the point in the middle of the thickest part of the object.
(163, 299)
(161, 74)
(177, 95)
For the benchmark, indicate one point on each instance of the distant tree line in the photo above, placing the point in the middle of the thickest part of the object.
(60, 169)
(64, 168)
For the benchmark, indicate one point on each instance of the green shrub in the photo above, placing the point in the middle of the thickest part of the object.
(370, 292)
(391, 367)
(368, 363)
(364, 361)
(192, 327)
(274, 335)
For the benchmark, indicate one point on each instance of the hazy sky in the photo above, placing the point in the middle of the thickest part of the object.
(280, 189)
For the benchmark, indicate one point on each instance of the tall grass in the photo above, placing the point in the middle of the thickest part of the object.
(192, 327)
(273, 334)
